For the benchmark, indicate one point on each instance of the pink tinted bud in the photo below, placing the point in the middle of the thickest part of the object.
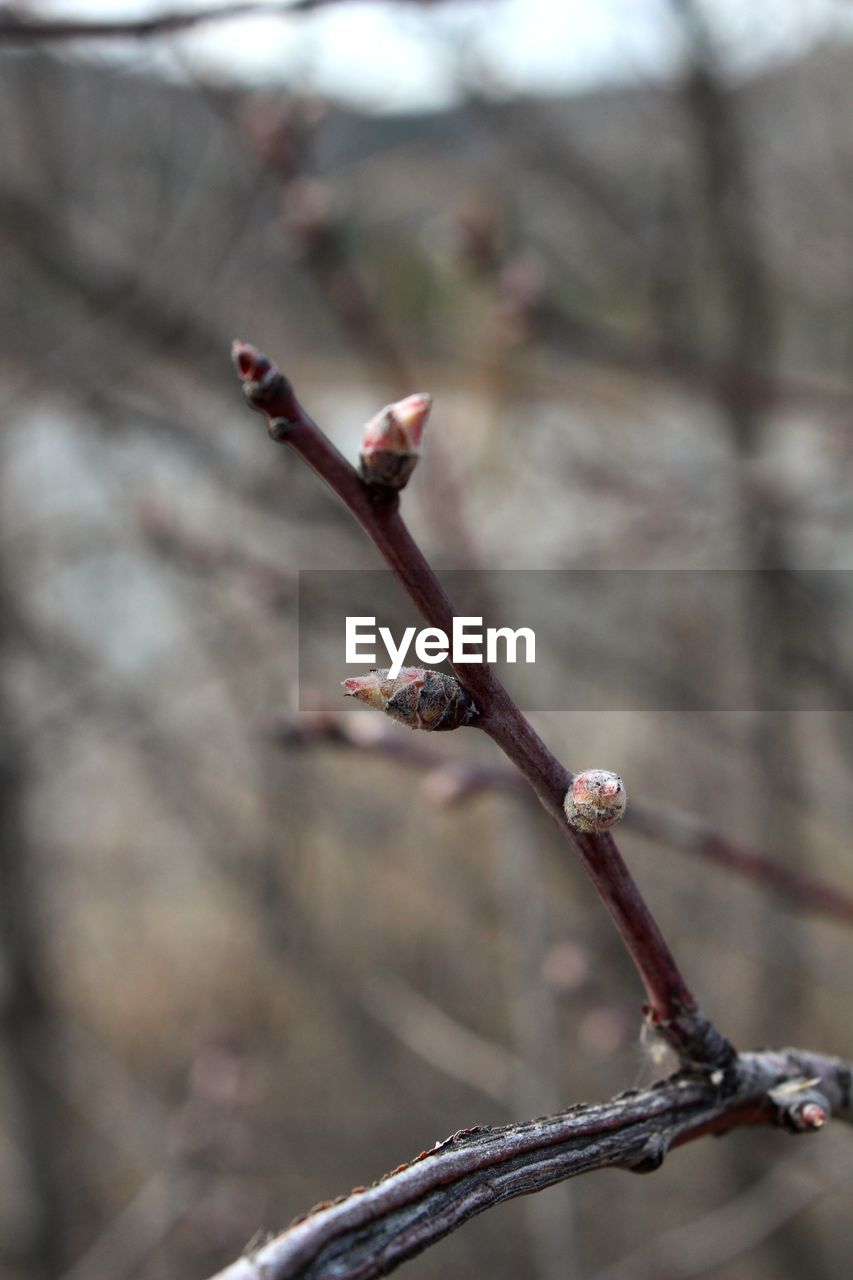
(417, 697)
(813, 1116)
(265, 389)
(251, 364)
(595, 801)
(377, 688)
(391, 443)
(259, 376)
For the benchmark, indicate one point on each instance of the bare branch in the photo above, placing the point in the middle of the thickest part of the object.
(687, 833)
(447, 780)
(735, 1228)
(373, 1230)
(672, 1008)
(440, 1040)
(18, 28)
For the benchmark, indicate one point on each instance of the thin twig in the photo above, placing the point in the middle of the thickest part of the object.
(440, 1040)
(371, 1231)
(735, 1228)
(672, 1008)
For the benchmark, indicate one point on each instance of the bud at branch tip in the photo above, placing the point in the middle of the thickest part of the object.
(251, 365)
(263, 385)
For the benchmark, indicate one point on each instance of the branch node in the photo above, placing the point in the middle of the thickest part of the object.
(278, 428)
(799, 1106)
(652, 1155)
(698, 1043)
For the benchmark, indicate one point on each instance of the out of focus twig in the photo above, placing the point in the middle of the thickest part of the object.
(450, 781)
(440, 1040)
(17, 27)
(733, 1229)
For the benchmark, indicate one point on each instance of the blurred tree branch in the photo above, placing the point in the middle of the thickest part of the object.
(450, 781)
(27, 1021)
(17, 27)
(735, 1228)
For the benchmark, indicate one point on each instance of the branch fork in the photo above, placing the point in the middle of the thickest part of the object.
(672, 1008)
(373, 1230)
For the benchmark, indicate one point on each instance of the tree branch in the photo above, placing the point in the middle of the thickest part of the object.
(373, 1230)
(672, 1008)
(452, 780)
(18, 28)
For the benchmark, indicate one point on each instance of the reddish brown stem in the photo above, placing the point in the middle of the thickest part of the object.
(671, 1005)
(21, 29)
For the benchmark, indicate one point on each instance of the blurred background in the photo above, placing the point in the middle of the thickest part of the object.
(252, 957)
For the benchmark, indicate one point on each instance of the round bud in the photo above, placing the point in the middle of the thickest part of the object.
(595, 801)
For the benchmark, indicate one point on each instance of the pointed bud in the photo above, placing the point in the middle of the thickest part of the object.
(418, 697)
(595, 801)
(261, 380)
(391, 444)
(251, 364)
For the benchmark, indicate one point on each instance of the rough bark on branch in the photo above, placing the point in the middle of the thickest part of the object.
(374, 1229)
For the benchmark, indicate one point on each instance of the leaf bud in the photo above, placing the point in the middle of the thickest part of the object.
(595, 801)
(417, 697)
(391, 444)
